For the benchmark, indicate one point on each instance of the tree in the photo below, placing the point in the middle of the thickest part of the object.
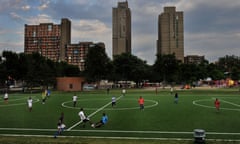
(130, 67)
(97, 64)
(229, 65)
(3, 71)
(12, 64)
(166, 66)
(188, 73)
(214, 72)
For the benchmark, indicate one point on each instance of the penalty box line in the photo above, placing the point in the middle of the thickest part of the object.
(92, 114)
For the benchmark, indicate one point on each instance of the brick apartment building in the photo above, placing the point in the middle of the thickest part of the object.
(193, 59)
(76, 53)
(48, 39)
(53, 41)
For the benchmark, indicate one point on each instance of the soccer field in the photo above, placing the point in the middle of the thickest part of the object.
(161, 117)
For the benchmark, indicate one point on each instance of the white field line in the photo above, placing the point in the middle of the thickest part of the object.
(16, 104)
(119, 131)
(70, 128)
(155, 103)
(125, 138)
(230, 103)
(195, 102)
(25, 129)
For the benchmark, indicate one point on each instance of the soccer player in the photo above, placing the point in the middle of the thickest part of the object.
(74, 100)
(102, 122)
(60, 129)
(30, 101)
(5, 97)
(108, 90)
(113, 101)
(43, 96)
(171, 90)
(60, 126)
(48, 93)
(84, 118)
(176, 98)
(141, 102)
(61, 118)
(217, 104)
(123, 92)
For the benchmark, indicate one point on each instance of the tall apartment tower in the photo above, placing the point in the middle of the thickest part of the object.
(48, 39)
(121, 29)
(65, 37)
(171, 33)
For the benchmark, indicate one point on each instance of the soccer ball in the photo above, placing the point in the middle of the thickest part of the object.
(92, 125)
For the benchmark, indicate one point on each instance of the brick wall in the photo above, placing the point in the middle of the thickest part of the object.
(69, 83)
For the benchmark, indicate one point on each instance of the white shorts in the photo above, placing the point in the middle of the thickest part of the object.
(30, 105)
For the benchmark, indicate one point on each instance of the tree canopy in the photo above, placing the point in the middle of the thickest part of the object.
(34, 69)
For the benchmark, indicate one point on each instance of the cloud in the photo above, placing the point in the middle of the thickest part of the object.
(89, 28)
(41, 18)
(211, 27)
(7, 5)
(212, 45)
(12, 41)
(43, 6)
(26, 7)
(144, 46)
(11, 46)
(92, 30)
(15, 16)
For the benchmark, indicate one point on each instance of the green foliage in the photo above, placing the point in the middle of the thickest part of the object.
(167, 67)
(97, 66)
(11, 64)
(37, 70)
(34, 69)
(129, 67)
(230, 66)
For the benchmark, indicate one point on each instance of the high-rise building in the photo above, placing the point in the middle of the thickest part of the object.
(171, 33)
(121, 29)
(65, 37)
(48, 39)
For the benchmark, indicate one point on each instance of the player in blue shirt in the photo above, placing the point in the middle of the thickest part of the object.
(102, 122)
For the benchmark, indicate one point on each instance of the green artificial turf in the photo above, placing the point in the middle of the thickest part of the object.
(161, 118)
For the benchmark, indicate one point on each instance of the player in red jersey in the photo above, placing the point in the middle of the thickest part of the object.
(217, 104)
(141, 102)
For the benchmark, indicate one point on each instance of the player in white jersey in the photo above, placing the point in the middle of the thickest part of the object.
(5, 97)
(123, 92)
(30, 101)
(84, 118)
(113, 101)
(74, 100)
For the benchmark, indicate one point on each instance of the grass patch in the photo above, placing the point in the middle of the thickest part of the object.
(161, 118)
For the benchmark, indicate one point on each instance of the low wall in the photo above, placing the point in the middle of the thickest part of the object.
(69, 83)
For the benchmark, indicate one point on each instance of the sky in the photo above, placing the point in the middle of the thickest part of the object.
(211, 27)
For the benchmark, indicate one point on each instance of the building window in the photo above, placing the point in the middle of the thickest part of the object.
(34, 34)
(176, 30)
(49, 27)
(70, 86)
